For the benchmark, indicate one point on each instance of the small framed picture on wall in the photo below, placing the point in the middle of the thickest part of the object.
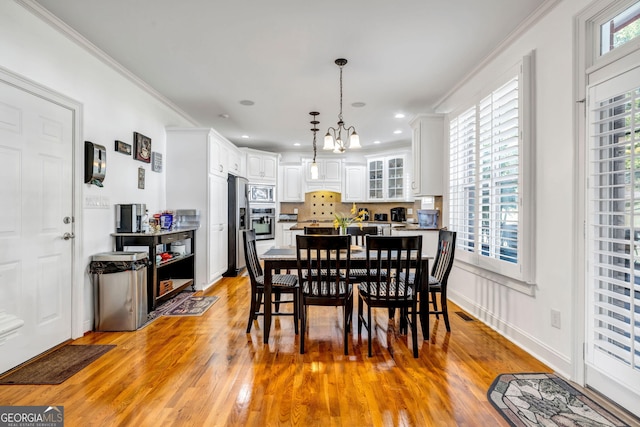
(156, 161)
(141, 178)
(142, 146)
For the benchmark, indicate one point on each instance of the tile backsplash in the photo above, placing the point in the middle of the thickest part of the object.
(322, 206)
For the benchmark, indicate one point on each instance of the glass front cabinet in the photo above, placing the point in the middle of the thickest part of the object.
(387, 177)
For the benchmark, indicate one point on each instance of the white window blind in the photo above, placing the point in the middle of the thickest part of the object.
(490, 188)
(462, 179)
(614, 218)
(498, 161)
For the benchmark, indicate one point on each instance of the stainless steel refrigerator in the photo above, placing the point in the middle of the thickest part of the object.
(238, 222)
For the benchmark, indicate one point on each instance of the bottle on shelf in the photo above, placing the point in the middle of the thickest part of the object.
(145, 222)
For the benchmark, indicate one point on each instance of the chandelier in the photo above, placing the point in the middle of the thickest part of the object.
(333, 140)
(314, 129)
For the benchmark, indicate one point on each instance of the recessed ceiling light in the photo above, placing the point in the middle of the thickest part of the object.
(223, 116)
(399, 116)
(297, 144)
(397, 131)
(376, 142)
(358, 104)
(247, 102)
(245, 136)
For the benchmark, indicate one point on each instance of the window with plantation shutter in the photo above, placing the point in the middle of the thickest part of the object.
(487, 179)
(614, 227)
(462, 179)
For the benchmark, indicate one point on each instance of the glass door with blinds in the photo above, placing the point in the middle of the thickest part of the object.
(613, 236)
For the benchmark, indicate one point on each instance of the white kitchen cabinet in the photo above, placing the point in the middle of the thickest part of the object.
(192, 184)
(290, 183)
(355, 184)
(218, 227)
(329, 174)
(235, 162)
(283, 233)
(261, 166)
(218, 155)
(388, 178)
(427, 150)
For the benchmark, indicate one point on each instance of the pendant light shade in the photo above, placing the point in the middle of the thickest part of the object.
(314, 129)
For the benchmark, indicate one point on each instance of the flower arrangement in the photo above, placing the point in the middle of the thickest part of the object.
(343, 221)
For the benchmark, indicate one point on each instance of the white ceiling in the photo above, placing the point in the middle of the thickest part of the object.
(208, 55)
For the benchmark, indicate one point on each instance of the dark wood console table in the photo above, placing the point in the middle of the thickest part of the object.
(180, 270)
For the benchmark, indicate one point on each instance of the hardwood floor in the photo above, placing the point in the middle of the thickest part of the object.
(205, 371)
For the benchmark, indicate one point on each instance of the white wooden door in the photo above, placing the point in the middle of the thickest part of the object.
(36, 152)
(613, 239)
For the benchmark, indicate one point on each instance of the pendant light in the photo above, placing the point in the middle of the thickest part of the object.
(314, 123)
(333, 139)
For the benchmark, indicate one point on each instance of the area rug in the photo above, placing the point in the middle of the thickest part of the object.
(183, 304)
(546, 400)
(57, 366)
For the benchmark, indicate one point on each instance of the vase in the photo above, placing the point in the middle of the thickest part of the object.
(343, 230)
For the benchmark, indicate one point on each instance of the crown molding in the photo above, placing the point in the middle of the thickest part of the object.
(59, 25)
(524, 26)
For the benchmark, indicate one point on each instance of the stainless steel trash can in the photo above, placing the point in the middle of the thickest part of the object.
(120, 290)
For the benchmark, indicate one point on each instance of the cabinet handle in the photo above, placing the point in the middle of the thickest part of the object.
(221, 168)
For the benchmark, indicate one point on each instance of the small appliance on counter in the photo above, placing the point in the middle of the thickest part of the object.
(129, 218)
(288, 217)
(186, 218)
(428, 218)
(380, 217)
(398, 214)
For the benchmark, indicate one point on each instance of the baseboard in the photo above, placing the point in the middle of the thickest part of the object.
(558, 362)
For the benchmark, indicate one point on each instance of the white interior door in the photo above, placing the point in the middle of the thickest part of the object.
(613, 239)
(36, 153)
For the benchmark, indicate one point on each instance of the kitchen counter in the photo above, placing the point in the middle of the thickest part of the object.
(300, 225)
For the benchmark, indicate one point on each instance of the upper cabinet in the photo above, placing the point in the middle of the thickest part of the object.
(329, 174)
(428, 148)
(290, 183)
(388, 177)
(218, 155)
(235, 162)
(355, 185)
(261, 166)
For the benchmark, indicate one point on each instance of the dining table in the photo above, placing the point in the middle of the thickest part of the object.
(280, 258)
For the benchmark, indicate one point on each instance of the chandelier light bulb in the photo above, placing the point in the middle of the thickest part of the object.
(328, 142)
(354, 140)
(314, 170)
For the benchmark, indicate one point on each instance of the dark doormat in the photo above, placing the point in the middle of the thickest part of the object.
(530, 400)
(57, 366)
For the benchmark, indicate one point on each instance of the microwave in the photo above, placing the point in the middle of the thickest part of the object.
(260, 193)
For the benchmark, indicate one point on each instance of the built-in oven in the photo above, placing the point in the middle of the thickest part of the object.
(262, 219)
(261, 193)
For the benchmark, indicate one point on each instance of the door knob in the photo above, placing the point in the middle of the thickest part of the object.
(67, 236)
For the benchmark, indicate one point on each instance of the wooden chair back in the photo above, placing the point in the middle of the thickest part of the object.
(358, 235)
(390, 261)
(323, 266)
(321, 231)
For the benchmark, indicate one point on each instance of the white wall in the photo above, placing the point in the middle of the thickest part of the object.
(113, 108)
(526, 319)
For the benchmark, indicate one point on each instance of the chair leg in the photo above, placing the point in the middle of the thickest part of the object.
(359, 315)
(303, 325)
(434, 301)
(414, 330)
(346, 329)
(277, 301)
(445, 310)
(296, 314)
(256, 300)
(369, 327)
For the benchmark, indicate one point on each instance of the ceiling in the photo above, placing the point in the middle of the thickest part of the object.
(206, 56)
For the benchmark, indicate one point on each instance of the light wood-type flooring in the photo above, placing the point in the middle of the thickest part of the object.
(206, 371)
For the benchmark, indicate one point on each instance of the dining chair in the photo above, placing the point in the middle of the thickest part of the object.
(317, 258)
(439, 276)
(358, 235)
(389, 258)
(281, 284)
(322, 231)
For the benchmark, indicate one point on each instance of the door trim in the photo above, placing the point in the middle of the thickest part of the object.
(77, 271)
